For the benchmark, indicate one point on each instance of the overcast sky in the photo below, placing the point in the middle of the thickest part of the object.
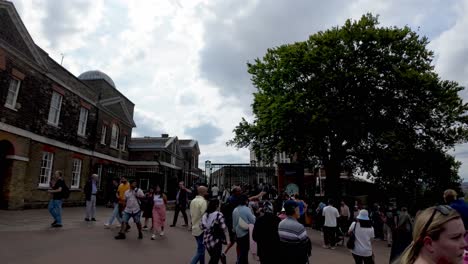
(183, 62)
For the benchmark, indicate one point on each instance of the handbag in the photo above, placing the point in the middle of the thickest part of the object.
(352, 238)
(242, 224)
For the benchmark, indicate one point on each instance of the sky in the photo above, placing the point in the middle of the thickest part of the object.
(183, 62)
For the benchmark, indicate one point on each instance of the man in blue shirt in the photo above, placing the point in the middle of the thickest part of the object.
(450, 197)
(241, 218)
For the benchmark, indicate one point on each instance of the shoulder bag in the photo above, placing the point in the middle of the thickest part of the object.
(352, 238)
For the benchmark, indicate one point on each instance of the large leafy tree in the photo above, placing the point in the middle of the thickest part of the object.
(350, 97)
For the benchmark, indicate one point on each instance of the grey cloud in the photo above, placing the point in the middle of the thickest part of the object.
(205, 133)
(148, 126)
(230, 45)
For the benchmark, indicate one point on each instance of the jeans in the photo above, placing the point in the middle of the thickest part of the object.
(115, 214)
(179, 208)
(91, 207)
(200, 255)
(360, 259)
(329, 234)
(243, 244)
(55, 209)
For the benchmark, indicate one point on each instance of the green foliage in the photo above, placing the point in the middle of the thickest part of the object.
(353, 96)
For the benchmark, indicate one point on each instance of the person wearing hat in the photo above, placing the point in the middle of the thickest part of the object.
(295, 245)
(364, 233)
(265, 234)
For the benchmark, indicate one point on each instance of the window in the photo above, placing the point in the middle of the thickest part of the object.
(115, 136)
(55, 106)
(76, 174)
(103, 134)
(173, 160)
(83, 121)
(46, 169)
(99, 173)
(124, 143)
(12, 95)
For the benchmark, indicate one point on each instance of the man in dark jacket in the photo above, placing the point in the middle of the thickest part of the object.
(265, 233)
(181, 203)
(90, 191)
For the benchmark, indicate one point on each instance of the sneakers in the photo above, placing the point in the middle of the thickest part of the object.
(107, 226)
(145, 228)
(162, 233)
(140, 235)
(172, 225)
(53, 223)
(120, 236)
(87, 219)
(56, 225)
(332, 248)
(326, 246)
(93, 219)
(153, 237)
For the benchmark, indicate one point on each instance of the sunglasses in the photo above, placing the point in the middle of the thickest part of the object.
(443, 209)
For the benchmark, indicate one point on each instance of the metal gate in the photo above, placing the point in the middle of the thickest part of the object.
(230, 174)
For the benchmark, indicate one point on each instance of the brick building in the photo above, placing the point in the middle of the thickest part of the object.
(52, 120)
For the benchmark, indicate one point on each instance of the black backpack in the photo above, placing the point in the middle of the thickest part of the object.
(65, 191)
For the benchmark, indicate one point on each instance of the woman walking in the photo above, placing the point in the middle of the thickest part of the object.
(214, 228)
(364, 233)
(159, 212)
(438, 237)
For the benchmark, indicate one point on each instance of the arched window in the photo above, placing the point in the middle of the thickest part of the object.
(115, 136)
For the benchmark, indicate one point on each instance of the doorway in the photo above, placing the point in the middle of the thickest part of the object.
(6, 149)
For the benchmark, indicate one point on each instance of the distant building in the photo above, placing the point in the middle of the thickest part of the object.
(52, 120)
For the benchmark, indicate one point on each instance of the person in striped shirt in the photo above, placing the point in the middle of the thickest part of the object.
(295, 245)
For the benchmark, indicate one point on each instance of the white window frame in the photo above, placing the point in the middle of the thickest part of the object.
(99, 173)
(124, 143)
(54, 110)
(14, 84)
(115, 136)
(103, 134)
(45, 173)
(76, 173)
(83, 122)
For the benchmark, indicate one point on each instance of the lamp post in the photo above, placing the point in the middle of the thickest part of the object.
(207, 168)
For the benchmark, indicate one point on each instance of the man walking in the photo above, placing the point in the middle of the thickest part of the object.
(242, 217)
(295, 245)
(181, 204)
(215, 191)
(55, 204)
(197, 209)
(345, 216)
(90, 191)
(132, 210)
(331, 215)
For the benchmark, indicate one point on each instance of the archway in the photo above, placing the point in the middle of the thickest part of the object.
(6, 150)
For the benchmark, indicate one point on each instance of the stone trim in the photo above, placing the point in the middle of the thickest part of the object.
(16, 157)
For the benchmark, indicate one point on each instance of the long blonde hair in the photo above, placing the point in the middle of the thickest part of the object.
(433, 231)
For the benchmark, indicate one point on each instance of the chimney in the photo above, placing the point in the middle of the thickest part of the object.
(164, 135)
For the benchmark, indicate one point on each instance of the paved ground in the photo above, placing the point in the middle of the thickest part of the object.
(26, 238)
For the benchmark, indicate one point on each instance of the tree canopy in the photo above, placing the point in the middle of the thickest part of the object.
(356, 96)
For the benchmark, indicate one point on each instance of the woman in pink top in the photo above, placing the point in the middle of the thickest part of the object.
(159, 212)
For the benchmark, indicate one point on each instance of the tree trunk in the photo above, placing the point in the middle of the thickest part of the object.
(332, 181)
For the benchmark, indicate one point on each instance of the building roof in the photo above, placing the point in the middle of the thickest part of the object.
(187, 143)
(146, 143)
(96, 75)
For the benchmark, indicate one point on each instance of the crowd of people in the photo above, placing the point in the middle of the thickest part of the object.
(272, 227)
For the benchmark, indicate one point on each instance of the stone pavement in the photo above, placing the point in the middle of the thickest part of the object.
(26, 238)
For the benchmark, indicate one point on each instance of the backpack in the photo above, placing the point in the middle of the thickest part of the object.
(65, 191)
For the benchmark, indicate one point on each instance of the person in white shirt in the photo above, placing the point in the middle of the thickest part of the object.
(364, 233)
(214, 191)
(331, 215)
(132, 209)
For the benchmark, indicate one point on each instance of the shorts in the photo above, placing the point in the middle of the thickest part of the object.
(136, 217)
